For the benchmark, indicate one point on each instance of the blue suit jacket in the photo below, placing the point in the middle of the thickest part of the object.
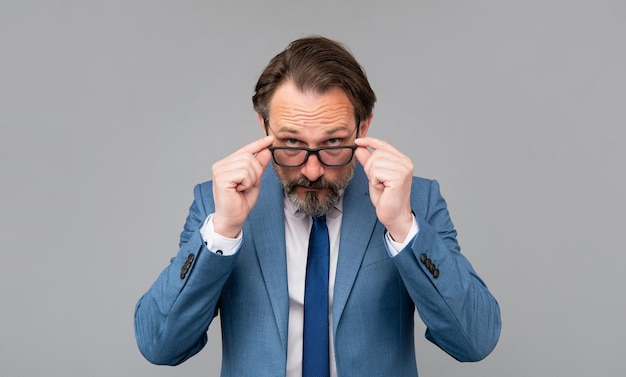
(375, 295)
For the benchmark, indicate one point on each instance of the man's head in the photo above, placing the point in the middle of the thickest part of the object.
(315, 64)
(314, 95)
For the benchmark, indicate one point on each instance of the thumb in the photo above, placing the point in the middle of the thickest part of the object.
(264, 157)
(362, 154)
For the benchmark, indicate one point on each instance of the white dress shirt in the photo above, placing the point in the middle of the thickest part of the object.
(297, 229)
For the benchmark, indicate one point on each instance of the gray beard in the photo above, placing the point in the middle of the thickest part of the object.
(311, 205)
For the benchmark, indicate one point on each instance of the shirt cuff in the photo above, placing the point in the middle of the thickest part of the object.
(394, 247)
(216, 242)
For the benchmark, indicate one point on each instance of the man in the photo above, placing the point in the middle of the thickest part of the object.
(386, 249)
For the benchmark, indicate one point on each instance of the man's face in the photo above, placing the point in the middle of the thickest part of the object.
(314, 121)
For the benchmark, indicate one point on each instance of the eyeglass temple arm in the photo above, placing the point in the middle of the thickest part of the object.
(266, 124)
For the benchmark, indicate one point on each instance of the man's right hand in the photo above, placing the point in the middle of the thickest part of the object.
(236, 184)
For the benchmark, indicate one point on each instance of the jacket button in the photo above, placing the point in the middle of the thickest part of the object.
(436, 273)
(423, 258)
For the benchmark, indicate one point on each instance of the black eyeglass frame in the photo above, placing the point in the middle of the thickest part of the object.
(315, 151)
(310, 151)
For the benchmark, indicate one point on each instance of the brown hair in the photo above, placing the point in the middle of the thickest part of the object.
(318, 64)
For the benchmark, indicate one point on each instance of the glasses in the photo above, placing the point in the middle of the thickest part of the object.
(293, 157)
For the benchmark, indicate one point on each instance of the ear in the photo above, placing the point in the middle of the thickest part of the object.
(365, 125)
(263, 126)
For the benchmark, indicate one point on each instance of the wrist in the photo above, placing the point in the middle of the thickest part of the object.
(223, 229)
(401, 228)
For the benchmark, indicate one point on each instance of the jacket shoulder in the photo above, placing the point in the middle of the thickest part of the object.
(421, 187)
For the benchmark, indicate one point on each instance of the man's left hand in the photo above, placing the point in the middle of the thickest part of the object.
(390, 174)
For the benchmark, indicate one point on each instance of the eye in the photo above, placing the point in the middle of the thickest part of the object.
(334, 141)
(291, 142)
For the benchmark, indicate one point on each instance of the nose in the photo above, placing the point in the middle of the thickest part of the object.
(312, 168)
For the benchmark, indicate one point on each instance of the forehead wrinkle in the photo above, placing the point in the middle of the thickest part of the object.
(297, 121)
(337, 129)
(296, 111)
(325, 114)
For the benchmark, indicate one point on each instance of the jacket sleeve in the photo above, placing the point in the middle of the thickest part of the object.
(461, 315)
(172, 318)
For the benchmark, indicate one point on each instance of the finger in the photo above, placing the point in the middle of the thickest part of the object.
(237, 168)
(382, 148)
(362, 154)
(264, 157)
(252, 159)
(379, 146)
(256, 169)
(372, 142)
(257, 145)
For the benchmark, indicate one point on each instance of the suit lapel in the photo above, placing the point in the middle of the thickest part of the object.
(357, 224)
(268, 234)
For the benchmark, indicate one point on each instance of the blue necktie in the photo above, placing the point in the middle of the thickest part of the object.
(315, 347)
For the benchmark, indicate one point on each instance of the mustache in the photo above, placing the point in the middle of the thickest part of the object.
(319, 183)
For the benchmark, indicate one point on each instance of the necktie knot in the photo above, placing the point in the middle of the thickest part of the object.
(319, 219)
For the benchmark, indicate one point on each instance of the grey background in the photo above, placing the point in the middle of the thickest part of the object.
(110, 112)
